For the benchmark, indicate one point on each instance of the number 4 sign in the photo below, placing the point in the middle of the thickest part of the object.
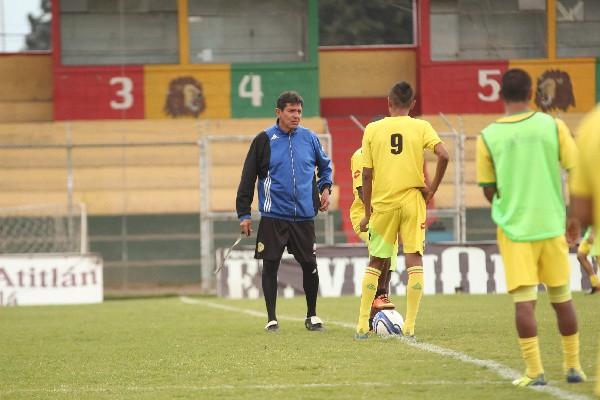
(250, 87)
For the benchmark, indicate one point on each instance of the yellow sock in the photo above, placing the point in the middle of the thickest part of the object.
(369, 288)
(530, 351)
(594, 280)
(414, 292)
(570, 345)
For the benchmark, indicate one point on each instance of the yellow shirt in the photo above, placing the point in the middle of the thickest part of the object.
(393, 147)
(585, 179)
(485, 167)
(357, 209)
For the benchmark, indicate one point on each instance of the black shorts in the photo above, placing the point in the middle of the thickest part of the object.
(274, 235)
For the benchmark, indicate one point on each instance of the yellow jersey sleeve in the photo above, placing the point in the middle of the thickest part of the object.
(486, 176)
(581, 178)
(367, 154)
(567, 146)
(430, 136)
(356, 165)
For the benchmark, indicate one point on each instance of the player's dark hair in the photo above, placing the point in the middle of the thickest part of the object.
(377, 117)
(289, 97)
(402, 95)
(516, 86)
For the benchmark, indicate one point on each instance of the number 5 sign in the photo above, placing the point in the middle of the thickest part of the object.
(488, 80)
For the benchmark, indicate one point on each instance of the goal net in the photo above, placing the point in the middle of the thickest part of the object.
(43, 228)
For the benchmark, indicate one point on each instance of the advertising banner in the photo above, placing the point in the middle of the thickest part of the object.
(46, 279)
(448, 269)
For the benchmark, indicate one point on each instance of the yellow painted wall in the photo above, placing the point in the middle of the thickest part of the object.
(582, 74)
(25, 88)
(366, 73)
(216, 86)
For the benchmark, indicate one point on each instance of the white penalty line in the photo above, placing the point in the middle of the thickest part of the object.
(500, 369)
(194, 388)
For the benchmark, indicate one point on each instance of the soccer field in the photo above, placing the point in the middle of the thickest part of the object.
(208, 348)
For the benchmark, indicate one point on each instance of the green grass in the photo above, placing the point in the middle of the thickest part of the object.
(165, 349)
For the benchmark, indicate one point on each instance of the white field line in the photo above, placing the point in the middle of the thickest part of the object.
(501, 370)
(193, 388)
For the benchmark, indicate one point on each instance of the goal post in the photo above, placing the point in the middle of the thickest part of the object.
(43, 228)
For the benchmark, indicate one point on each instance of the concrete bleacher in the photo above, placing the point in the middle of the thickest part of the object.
(125, 180)
(165, 179)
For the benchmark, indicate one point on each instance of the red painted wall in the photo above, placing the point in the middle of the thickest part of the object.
(347, 137)
(455, 86)
(344, 107)
(472, 87)
(99, 93)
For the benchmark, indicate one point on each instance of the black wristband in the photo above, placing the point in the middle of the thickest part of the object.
(326, 188)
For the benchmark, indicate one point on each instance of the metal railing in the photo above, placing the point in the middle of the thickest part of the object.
(206, 217)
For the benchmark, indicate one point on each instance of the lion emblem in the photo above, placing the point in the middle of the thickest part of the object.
(554, 91)
(185, 97)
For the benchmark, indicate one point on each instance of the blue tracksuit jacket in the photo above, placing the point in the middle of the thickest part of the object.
(285, 166)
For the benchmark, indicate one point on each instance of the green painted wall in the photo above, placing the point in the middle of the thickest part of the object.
(256, 87)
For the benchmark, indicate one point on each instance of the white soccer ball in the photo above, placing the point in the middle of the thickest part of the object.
(388, 323)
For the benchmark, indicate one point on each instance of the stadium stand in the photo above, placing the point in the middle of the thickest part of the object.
(155, 179)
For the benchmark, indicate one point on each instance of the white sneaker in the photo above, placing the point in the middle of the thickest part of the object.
(314, 323)
(272, 326)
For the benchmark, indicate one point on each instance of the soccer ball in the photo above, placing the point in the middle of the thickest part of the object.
(388, 323)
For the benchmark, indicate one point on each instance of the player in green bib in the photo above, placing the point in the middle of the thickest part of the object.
(519, 162)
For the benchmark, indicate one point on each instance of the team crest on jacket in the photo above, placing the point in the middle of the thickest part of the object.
(554, 91)
(260, 247)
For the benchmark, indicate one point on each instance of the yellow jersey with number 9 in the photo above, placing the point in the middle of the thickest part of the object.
(394, 148)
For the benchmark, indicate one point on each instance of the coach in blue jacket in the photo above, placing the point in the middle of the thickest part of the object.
(284, 157)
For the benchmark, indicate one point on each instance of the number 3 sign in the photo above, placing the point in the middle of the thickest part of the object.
(125, 87)
(102, 92)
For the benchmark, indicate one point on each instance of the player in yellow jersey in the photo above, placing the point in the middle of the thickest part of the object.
(357, 211)
(519, 160)
(585, 185)
(395, 194)
(589, 247)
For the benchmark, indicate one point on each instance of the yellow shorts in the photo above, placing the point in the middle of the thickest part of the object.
(408, 221)
(584, 247)
(530, 263)
(364, 236)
